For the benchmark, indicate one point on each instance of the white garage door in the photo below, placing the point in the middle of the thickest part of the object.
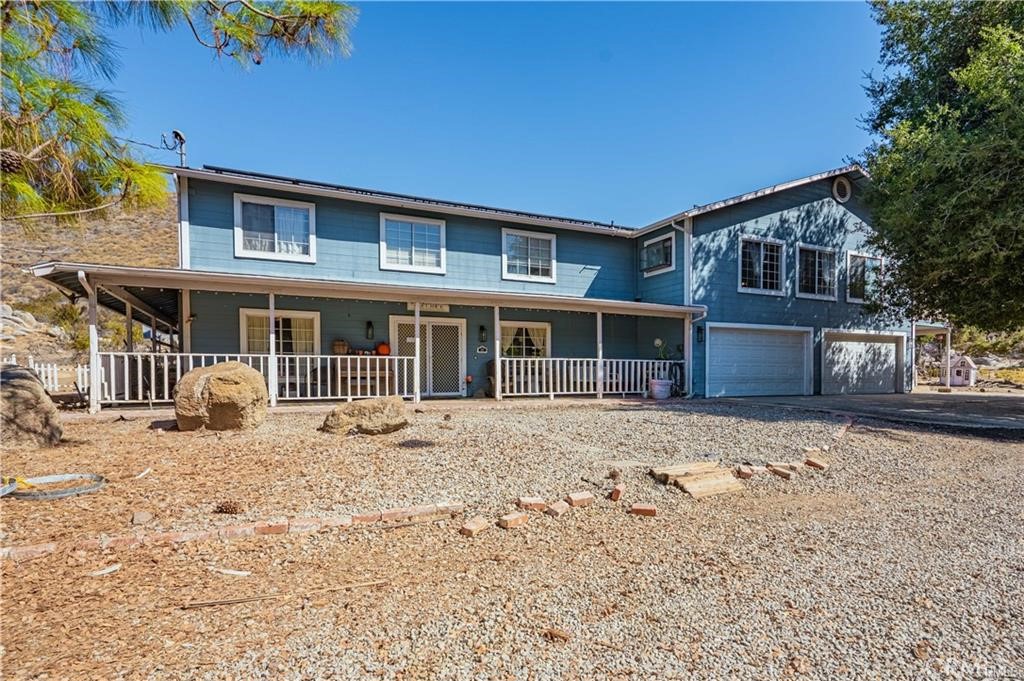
(753, 361)
(860, 364)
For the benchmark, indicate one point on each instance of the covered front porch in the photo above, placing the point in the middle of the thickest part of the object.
(333, 341)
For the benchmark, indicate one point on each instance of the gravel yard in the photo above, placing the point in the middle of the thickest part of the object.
(904, 560)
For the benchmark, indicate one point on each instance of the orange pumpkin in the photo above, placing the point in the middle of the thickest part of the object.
(383, 349)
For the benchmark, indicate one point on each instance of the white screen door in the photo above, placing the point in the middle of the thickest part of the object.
(442, 349)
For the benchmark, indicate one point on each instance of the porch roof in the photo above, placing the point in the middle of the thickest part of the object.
(148, 286)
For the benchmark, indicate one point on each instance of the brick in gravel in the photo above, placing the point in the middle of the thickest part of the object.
(787, 465)
(141, 517)
(578, 499)
(369, 517)
(337, 521)
(744, 472)
(648, 510)
(300, 525)
(474, 526)
(451, 507)
(810, 451)
(557, 509)
(273, 526)
(510, 520)
(129, 541)
(783, 473)
(20, 553)
(617, 492)
(531, 503)
(237, 531)
(815, 462)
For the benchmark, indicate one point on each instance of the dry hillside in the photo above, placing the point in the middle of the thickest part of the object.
(145, 237)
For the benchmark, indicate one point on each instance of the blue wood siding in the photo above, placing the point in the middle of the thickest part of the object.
(806, 214)
(215, 328)
(666, 287)
(348, 232)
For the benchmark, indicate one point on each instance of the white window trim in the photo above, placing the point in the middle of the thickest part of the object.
(241, 252)
(385, 265)
(243, 312)
(672, 249)
(532, 325)
(835, 272)
(505, 231)
(739, 266)
(849, 256)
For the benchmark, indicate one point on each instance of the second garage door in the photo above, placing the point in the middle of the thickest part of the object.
(860, 363)
(757, 361)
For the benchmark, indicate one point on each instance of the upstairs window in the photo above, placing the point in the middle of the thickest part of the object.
(274, 229)
(528, 256)
(863, 277)
(525, 339)
(762, 268)
(816, 267)
(295, 332)
(658, 255)
(412, 244)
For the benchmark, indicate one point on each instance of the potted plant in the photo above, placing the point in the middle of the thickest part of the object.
(661, 388)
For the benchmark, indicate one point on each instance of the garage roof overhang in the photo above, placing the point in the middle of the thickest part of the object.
(158, 288)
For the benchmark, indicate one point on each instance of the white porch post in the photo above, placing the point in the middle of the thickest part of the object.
(272, 364)
(129, 340)
(949, 349)
(185, 322)
(416, 354)
(95, 373)
(497, 352)
(600, 354)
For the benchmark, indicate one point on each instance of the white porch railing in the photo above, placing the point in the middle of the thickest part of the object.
(550, 377)
(147, 377)
(49, 373)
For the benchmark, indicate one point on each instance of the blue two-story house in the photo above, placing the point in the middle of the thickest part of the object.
(336, 292)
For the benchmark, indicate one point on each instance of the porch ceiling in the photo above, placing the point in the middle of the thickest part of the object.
(146, 302)
(158, 287)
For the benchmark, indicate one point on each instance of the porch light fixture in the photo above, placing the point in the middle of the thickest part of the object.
(369, 330)
(483, 334)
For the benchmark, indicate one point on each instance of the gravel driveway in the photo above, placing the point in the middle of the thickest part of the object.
(903, 560)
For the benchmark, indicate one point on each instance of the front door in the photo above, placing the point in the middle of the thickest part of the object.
(442, 352)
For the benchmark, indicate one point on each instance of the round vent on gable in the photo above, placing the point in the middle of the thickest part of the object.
(842, 190)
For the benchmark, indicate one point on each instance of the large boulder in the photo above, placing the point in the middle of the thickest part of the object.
(225, 396)
(368, 417)
(29, 415)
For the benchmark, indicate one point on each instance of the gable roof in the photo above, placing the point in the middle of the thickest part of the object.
(853, 169)
(406, 201)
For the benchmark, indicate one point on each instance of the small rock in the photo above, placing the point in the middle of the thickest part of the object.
(229, 507)
(141, 517)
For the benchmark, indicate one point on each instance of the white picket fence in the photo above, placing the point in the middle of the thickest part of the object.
(50, 373)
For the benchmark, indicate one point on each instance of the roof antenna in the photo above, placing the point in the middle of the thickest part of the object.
(178, 145)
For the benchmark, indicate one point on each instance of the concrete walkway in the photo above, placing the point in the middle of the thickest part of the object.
(953, 410)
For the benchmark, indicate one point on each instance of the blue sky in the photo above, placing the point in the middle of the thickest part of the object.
(624, 112)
